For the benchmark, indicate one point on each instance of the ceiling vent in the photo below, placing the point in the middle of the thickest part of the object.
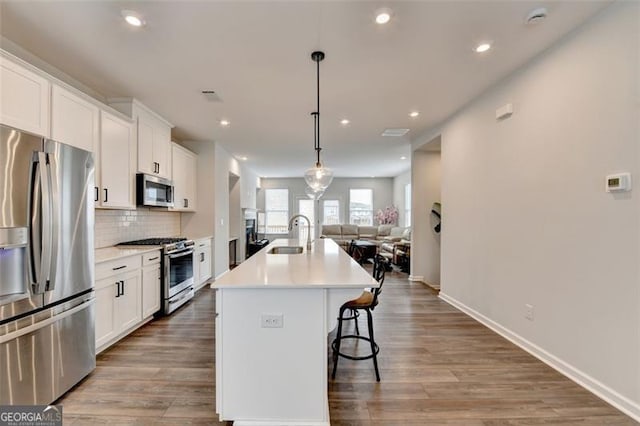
(536, 16)
(395, 132)
(211, 96)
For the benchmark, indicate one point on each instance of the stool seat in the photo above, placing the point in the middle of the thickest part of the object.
(363, 301)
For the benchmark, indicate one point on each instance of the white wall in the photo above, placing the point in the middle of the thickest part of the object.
(201, 223)
(399, 183)
(425, 243)
(212, 217)
(526, 217)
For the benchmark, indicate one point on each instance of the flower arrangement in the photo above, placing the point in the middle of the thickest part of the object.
(387, 216)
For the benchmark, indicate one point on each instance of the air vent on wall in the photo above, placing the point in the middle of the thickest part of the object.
(395, 132)
(211, 96)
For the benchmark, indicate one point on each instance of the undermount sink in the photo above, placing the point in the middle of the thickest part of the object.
(286, 250)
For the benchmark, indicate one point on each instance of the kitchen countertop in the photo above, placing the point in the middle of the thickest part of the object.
(325, 266)
(201, 237)
(112, 253)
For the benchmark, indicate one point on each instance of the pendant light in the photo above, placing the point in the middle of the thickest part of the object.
(314, 194)
(318, 177)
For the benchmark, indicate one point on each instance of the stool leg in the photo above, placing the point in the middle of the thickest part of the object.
(373, 344)
(353, 314)
(337, 340)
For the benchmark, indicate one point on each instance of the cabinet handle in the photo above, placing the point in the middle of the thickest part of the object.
(154, 258)
(122, 294)
(201, 257)
(119, 267)
(185, 202)
(158, 167)
(97, 196)
(118, 289)
(106, 195)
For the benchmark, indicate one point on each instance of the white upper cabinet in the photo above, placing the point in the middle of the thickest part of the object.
(117, 157)
(74, 120)
(24, 98)
(154, 137)
(185, 165)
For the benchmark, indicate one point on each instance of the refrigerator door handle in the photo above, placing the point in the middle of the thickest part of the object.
(40, 227)
(54, 201)
(38, 325)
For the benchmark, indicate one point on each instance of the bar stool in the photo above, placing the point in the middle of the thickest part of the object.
(367, 302)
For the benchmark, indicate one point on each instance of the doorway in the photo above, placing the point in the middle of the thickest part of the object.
(426, 189)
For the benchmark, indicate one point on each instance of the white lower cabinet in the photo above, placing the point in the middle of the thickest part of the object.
(151, 276)
(127, 294)
(202, 264)
(118, 306)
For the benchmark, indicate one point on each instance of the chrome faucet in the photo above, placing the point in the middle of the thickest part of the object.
(293, 218)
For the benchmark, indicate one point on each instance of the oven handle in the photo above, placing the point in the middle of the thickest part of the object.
(179, 254)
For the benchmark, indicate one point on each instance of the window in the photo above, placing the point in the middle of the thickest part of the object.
(307, 207)
(276, 206)
(330, 212)
(361, 206)
(407, 205)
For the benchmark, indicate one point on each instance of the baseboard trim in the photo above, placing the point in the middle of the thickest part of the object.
(416, 278)
(619, 401)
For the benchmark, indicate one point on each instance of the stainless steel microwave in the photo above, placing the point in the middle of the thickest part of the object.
(153, 191)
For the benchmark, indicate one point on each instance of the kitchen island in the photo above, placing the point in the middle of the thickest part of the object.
(274, 312)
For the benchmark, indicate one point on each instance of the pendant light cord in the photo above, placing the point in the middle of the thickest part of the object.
(318, 149)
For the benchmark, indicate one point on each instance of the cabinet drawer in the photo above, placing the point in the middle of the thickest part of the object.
(114, 267)
(151, 258)
(204, 242)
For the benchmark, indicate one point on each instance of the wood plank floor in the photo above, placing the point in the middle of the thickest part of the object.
(438, 366)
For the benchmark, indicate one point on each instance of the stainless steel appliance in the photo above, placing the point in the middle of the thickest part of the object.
(47, 335)
(153, 191)
(177, 270)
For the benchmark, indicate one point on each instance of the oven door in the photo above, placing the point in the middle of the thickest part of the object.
(178, 273)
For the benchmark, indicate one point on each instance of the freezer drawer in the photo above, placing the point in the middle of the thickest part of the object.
(40, 362)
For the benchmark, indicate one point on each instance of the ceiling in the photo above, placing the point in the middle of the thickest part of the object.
(256, 56)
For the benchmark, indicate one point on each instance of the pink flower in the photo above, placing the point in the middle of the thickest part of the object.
(388, 216)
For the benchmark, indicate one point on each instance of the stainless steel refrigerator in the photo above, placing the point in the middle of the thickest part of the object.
(47, 341)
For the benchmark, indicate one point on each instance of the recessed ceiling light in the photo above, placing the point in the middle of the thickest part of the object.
(224, 123)
(483, 47)
(133, 18)
(383, 16)
(344, 122)
(414, 114)
(403, 158)
(243, 158)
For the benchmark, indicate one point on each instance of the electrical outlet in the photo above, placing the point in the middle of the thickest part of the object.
(528, 312)
(272, 320)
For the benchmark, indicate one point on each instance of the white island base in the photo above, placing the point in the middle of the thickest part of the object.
(274, 312)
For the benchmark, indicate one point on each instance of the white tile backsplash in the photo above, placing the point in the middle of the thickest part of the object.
(116, 226)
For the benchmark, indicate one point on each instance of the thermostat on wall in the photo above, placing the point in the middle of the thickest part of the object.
(618, 183)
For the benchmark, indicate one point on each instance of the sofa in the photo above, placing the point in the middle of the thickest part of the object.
(343, 234)
(398, 249)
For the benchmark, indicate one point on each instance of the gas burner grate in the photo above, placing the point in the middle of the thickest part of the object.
(153, 241)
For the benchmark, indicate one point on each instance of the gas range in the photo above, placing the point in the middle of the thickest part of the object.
(170, 244)
(177, 269)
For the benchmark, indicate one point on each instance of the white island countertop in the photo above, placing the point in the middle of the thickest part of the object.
(325, 266)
